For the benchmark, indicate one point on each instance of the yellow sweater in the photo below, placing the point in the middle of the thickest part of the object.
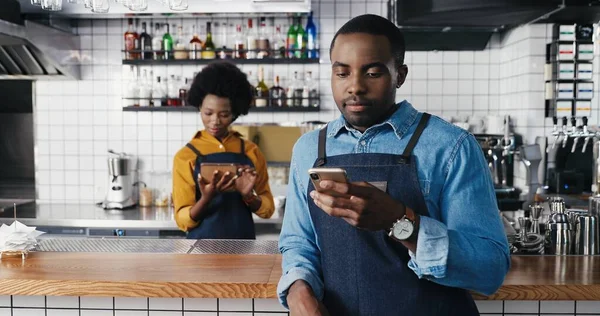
(184, 184)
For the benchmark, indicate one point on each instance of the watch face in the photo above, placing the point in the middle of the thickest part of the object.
(403, 230)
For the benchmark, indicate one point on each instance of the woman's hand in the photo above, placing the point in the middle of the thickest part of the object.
(246, 180)
(219, 184)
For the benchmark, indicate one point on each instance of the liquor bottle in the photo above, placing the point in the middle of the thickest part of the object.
(251, 41)
(277, 94)
(300, 39)
(208, 50)
(145, 43)
(157, 43)
(253, 83)
(311, 38)
(240, 46)
(264, 48)
(132, 92)
(195, 45)
(292, 37)
(168, 43)
(131, 38)
(183, 92)
(295, 91)
(261, 91)
(313, 90)
(145, 89)
(278, 43)
(173, 92)
(180, 45)
(158, 95)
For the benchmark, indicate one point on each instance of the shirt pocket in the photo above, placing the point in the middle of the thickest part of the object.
(425, 187)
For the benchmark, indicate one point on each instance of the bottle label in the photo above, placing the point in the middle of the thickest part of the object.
(291, 46)
(195, 51)
(209, 54)
(260, 102)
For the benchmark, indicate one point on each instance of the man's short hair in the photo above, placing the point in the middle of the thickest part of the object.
(376, 25)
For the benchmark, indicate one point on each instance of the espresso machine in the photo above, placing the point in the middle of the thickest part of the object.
(499, 150)
(119, 194)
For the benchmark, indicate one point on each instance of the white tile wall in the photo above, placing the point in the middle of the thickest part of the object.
(77, 121)
(255, 307)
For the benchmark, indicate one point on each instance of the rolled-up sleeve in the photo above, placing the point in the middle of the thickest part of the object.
(467, 247)
(267, 206)
(297, 241)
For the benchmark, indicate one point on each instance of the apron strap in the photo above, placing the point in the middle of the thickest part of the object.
(196, 151)
(322, 156)
(415, 138)
(196, 170)
(242, 147)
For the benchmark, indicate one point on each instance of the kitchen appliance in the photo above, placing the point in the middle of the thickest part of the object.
(570, 169)
(531, 155)
(559, 233)
(586, 240)
(499, 152)
(119, 194)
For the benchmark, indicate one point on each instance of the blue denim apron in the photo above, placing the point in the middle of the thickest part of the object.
(366, 273)
(227, 217)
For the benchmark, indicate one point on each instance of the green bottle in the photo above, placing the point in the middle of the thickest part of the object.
(168, 44)
(292, 36)
(301, 39)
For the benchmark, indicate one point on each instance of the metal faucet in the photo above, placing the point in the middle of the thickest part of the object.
(555, 132)
(586, 133)
(574, 133)
(565, 131)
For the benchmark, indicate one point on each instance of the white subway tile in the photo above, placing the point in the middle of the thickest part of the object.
(205, 304)
(96, 312)
(227, 304)
(130, 313)
(5, 301)
(434, 71)
(558, 307)
(235, 314)
(521, 306)
(62, 312)
(28, 312)
(5, 312)
(268, 305)
(588, 306)
(29, 301)
(164, 313)
(489, 306)
(342, 9)
(450, 71)
(466, 71)
(200, 314)
(166, 303)
(131, 303)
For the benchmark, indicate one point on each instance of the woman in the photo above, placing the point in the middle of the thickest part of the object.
(221, 208)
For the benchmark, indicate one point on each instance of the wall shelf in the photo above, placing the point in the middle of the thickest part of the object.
(193, 109)
(265, 61)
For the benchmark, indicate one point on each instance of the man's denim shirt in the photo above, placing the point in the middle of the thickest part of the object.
(461, 244)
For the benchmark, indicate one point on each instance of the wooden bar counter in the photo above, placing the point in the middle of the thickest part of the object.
(249, 276)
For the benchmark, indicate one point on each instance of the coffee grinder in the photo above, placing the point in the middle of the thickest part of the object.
(119, 194)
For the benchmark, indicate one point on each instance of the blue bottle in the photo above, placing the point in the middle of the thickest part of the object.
(312, 45)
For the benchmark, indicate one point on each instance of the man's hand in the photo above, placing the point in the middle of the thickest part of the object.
(302, 301)
(360, 204)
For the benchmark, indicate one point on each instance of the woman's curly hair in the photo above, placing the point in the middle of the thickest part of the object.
(226, 80)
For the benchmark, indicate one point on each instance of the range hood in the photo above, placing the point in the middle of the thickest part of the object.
(195, 8)
(34, 51)
(469, 24)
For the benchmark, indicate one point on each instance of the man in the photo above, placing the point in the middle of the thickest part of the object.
(415, 175)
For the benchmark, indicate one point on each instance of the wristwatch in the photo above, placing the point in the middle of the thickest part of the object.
(403, 228)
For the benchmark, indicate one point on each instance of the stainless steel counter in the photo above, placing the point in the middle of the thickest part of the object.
(92, 216)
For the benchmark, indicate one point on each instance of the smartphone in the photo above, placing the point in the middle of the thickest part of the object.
(207, 169)
(332, 174)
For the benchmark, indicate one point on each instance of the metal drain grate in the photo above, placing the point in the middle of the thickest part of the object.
(116, 245)
(205, 246)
